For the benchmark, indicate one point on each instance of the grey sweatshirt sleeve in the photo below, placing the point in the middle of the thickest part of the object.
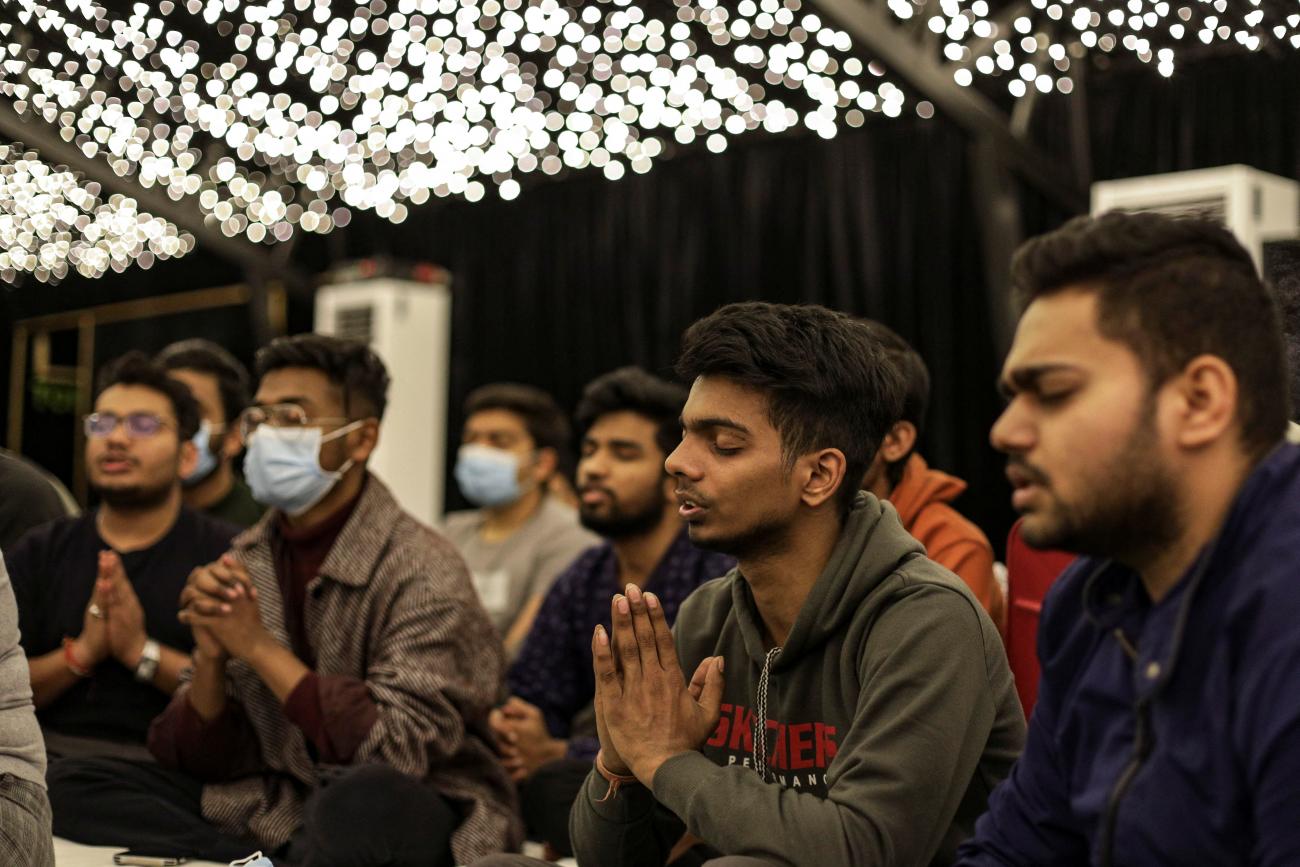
(919, 730)
(629, 830)
(22, 749)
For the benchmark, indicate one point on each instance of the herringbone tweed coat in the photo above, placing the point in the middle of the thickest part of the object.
(394, 606)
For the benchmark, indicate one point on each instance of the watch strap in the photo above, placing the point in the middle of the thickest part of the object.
(150, 657)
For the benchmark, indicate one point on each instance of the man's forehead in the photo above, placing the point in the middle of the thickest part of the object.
(124, 398)
(496, 420)
(1059, 330)
(202, 385)
(302, 384)
(717, 396)
(622, 425)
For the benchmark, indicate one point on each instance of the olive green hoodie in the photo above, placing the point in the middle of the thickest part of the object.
(890, 715)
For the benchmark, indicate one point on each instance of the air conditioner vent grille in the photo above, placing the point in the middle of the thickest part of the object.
(355, 323)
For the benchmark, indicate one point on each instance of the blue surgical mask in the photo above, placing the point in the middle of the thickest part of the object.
(283, 466)
(488, 477)
(208, 460)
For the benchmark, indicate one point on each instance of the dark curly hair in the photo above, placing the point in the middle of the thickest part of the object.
(351, 365)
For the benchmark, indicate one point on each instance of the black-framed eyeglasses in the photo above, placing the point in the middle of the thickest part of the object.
(281, 415)
(99, 425)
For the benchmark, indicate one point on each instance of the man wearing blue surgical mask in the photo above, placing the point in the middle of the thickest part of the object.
(220, 385)
(521, 537)
(343, 666)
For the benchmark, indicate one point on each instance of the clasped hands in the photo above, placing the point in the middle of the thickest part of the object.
(219, 603)
(646, 713)
(113, 622)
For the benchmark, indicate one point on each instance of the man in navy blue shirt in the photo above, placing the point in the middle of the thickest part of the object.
(1147, 406)
(630, 422)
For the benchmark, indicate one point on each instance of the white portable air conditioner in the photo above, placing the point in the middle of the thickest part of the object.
(1258, 207)
(408, 323)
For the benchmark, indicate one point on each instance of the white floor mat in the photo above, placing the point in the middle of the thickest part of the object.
(69, 854)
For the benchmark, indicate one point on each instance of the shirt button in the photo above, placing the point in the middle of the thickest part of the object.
(1153, 670)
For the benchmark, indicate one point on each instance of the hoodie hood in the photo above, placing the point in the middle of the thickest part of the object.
(872, 546)
(921, 486)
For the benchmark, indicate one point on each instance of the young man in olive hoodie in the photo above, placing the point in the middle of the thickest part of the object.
(851, 703)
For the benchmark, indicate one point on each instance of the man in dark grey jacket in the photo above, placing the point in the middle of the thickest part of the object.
(25, 836)
(851, 703)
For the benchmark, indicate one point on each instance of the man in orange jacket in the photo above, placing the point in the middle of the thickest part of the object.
(922, 495)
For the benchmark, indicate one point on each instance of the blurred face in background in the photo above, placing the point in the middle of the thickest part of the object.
(622, 488)
(138, 461)
(207, 393)
(490, 439)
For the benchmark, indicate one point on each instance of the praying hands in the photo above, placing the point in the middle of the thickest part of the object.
(113, 624)
(220, 604)
(646, 713)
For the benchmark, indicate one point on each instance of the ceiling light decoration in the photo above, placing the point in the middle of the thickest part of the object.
(51, 222)
(1036, 48)
(271, 117)
(288, 115)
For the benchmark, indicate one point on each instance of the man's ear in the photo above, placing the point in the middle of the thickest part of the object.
(899, 442)
(1205, 401)
(823, 473)
(189, 458)
(364, 440)
(546, 465)
(231, 445)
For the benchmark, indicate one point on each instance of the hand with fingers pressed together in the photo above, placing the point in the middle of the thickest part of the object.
(123, 614)
(92, 646)
(523, 740)
(646, 713)
(219, 603)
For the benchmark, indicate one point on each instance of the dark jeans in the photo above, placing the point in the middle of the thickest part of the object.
(371, 816)
(546, 799)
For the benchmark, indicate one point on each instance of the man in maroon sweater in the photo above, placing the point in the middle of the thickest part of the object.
(343, 667)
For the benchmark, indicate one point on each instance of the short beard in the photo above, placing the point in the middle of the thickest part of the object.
(623, 525)
(768, 535)
(1131, 510)
(135, 498)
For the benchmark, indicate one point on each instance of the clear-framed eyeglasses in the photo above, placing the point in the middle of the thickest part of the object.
(289, 415)
(100, 425)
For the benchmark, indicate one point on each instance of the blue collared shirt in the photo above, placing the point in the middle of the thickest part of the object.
(1178, 743)
(553, 669)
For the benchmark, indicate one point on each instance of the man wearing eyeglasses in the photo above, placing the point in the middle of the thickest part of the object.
(97, 594)
(343, 669)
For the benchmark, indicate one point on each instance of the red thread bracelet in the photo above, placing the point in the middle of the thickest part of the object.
(70, 660)
(614, 780)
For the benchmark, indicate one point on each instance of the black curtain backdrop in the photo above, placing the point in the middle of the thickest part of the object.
(581, 275)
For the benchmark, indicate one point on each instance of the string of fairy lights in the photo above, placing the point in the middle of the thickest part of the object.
(277, 116)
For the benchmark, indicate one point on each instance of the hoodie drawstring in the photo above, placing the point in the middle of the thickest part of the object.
(760, 716)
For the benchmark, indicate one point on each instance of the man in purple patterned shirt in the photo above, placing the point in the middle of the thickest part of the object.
(546, 733)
